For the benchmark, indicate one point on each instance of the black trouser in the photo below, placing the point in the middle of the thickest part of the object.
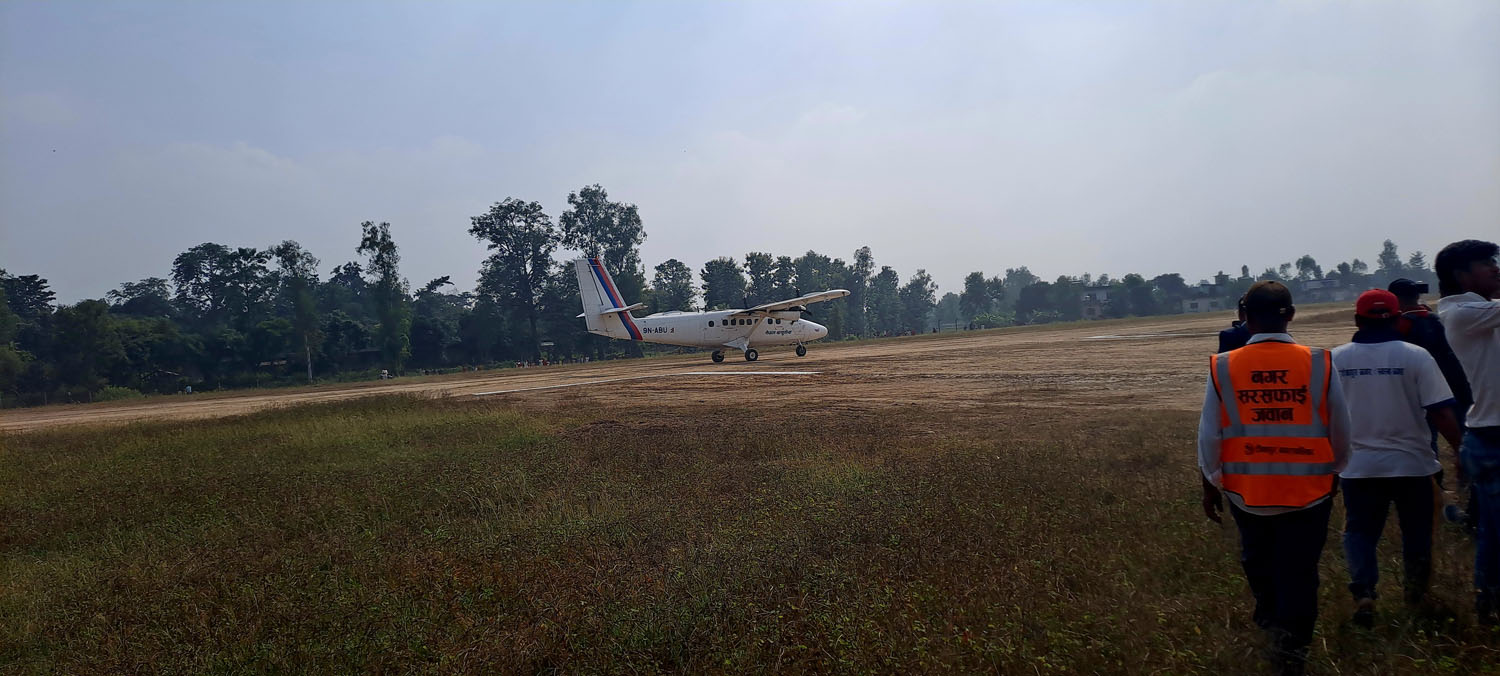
(1280, 555)
(1366, 503)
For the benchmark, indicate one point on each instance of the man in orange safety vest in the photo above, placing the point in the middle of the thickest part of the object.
(1273, 435)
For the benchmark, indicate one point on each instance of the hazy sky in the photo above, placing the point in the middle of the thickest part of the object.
(1087, 137)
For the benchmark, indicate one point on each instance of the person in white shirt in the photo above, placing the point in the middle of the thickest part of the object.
(1393, 389)
(1469, 280)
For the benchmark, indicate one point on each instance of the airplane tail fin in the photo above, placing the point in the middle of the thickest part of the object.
(604, 309)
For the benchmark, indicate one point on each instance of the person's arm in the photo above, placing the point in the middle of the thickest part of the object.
(1436, 397)
(1472, 316)
(1209, 462)
(1441, 416)
(1338, 422)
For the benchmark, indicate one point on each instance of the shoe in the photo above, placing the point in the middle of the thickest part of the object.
(1364, 613)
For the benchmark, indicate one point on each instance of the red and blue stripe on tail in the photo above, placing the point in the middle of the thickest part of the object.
(608, 283)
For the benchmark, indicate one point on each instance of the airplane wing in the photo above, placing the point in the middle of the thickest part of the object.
(798, 302)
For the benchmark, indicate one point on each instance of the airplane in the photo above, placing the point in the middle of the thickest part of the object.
(765, 325)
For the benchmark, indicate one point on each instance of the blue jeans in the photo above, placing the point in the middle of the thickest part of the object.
(1481, 458)
(1366, 504)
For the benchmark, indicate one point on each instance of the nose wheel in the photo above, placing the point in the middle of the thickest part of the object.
(718, 356)
(801, 350)
(751, 355)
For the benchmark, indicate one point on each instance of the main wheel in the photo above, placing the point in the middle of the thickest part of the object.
(718, 356)
(801, 350)
(751, 355)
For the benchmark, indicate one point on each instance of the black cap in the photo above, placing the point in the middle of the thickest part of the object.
(1406, 288)
(1268, 297)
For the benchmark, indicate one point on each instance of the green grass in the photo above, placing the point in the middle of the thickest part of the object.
(401, 534)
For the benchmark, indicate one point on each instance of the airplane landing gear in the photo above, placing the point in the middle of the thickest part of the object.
(718, 356)
(751, 355)
(801, 350)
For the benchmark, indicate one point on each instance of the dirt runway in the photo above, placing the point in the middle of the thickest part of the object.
(1156, 362)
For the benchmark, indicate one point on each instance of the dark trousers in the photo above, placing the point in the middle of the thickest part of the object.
(1366, 504)
(1280, 555)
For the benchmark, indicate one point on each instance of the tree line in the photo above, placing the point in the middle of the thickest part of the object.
(232, 316)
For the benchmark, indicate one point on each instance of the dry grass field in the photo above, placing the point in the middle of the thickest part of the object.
(1017, 501)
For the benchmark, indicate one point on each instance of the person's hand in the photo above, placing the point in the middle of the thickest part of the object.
(1213, 502)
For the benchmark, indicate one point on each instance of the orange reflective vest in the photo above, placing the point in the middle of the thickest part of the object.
(1273, 414)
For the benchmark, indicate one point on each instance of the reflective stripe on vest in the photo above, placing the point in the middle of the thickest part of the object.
(1282, 468)
(1280, 456)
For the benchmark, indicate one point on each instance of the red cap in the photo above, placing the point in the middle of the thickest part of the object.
(1377, 304)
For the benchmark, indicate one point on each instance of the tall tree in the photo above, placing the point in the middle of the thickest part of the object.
(248, 287)
(884, 309)
(596, 226)
(219, 285)
(723, 284)
(522, 238)
(1140, 295)
(391, 306)
(918, 297)
(672, 287)
(343, 336)
(87, 346)
(196, 275)
(857, 302)
(762, 284)
(149, 297)
(346, 291)
(12, 361)
(1389, 261)
(1066, 298)
(435, 319)
(975, 299)
(947, 311)
(1417, 262)
(8, 319)
(783, 278)
(298, 271)
(560, 313)
(1035, 304)
(1174, 289)
(1308, 268)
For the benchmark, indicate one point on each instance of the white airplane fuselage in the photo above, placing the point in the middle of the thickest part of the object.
(717, 329)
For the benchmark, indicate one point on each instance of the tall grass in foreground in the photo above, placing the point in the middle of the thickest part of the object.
(399, 534)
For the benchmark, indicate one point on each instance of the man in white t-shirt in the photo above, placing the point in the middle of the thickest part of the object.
(1469, 279)
(1393, 388)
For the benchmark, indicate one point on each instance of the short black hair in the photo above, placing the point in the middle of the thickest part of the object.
(1376, 323)
(1458, 256)
(1268, 302)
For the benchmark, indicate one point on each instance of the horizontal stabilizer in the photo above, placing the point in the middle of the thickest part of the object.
(612, 310)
